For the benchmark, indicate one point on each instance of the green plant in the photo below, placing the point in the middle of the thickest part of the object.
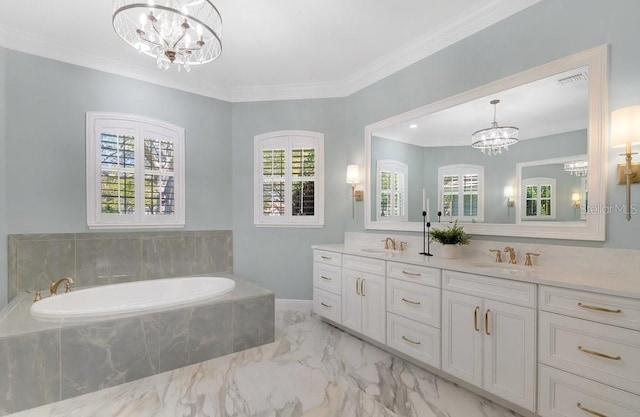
(452, 235)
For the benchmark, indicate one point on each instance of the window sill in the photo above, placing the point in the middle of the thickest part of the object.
(137, 226)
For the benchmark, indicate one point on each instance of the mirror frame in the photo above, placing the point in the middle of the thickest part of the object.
(597, 139)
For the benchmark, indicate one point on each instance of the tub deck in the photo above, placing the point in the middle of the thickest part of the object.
(48, 361)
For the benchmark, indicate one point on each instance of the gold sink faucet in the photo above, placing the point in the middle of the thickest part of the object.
(53, 287)
(389, 243)
(512, 254)
(498, 253)
(527, 259)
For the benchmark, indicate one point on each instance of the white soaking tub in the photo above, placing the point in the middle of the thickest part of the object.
(115, 300)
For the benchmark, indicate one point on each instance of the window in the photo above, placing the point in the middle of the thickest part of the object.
(391, 190)
(135, 172)
(289, 179)
(461, 192)
(538, 199)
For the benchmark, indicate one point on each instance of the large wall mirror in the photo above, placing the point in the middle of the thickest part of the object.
(549, 184)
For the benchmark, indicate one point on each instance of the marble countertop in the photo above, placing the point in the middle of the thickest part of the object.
(602, 281)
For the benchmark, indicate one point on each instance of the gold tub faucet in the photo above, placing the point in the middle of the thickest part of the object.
(53, 287)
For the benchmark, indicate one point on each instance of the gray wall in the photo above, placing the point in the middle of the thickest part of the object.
(513, 45)
(3, 182)
(280, 258)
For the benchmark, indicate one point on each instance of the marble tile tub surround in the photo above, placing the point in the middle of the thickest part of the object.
(108, 258)
(313, 369)
(46, 362)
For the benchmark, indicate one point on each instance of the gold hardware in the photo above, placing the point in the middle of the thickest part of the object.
(326, 257)
(389, 243)
(362, 287)
(512, 254)
(53, 287)
(411, 274)
(486, 323)
(498, 253)
(403, 246)
(622, 173)
(475, 319)
(405, 338)
(606, 310)
(326, 305)
(590, 411)
(527, 259)
(38, 296)
(601, 355)
(359, 195)
(417, 303)
(323, 277)
(358, 286)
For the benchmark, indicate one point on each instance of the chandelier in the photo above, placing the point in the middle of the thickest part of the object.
(493, 139)
(578, 168)
(184, 32)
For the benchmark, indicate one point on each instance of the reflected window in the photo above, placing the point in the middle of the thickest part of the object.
(392, 190)
(538, 199)
(461, 192)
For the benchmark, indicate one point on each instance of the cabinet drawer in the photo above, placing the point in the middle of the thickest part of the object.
(607, 354)
(327, 277)
(498, 289)
(362, 264)
(415, 339)
(327, 305)
(609, 309)
(326, 257)
(561, 392)
(414, 301)
(414, 273)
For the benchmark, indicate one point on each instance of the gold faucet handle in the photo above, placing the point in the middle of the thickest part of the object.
(67, 287)
(38, 296)
(527, 259)
(403, 246)
(498, 253)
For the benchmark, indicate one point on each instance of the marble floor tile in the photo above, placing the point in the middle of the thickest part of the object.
(311, 370)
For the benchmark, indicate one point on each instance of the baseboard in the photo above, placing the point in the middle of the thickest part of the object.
(297, 305)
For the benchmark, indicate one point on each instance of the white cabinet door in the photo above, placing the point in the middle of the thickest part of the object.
(509, 352)
(351, 300)
(374, 314)
(462, 337)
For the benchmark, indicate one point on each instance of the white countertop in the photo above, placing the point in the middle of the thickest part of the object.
(567, 276)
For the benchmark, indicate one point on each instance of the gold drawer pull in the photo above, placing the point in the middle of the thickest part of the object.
(588, 410)
(602, 355)
(323, 277)
(486, 323)
(417, 303)
(328, 258)
(411, 274)
(406, 339)
(475, 319)
(326, 305)
(358, 286)
(606, 310)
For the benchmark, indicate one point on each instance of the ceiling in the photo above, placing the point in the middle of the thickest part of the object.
(272, 50)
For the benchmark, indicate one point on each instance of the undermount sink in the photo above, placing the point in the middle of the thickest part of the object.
(504, 268)
(378, 250)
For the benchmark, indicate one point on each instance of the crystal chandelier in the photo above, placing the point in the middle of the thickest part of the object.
(578, 168)
(493, 139)
(184, 32)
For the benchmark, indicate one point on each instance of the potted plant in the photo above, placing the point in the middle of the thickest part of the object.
(451, 238)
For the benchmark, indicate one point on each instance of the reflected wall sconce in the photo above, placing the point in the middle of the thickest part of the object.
(625, 132)
(353, 178)
(509, 195)
(575, 200)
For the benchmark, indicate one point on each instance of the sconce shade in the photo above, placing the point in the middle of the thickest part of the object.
(508, 191)
(575, 197)
(625, 126)
(353, 174)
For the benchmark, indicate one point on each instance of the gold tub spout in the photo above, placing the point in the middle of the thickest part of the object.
(53, 287)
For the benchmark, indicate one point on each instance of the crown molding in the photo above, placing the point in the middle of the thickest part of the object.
(487, 14)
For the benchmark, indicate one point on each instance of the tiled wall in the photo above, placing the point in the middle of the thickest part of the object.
(106, 258)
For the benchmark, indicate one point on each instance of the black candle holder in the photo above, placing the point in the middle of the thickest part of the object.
(426, 242)
(439, 214)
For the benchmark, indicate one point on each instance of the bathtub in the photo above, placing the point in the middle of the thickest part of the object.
(132, 297)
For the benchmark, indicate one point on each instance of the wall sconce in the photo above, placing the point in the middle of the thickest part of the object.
(625, 131)
(575, 200)
(353, 178)
(509, 195)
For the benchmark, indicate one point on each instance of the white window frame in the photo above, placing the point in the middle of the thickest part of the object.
(538, 182)
(395, 167)
(288, 139)
(461, 170)
(138, 126)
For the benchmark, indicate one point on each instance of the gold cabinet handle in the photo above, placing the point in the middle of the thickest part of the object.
(595, 308)
(590, 411)
(323, 277)
(362, 288)
(601, 355)
(358, 286)
(406, 339)
(486, 323)
(416, 303)
(475, 319)
(325, 305)
(411, 274)
(328, 258)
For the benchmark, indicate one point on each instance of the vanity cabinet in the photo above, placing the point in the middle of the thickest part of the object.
(595, 338)
(327, 284)
(363, 296)
(489, 334)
